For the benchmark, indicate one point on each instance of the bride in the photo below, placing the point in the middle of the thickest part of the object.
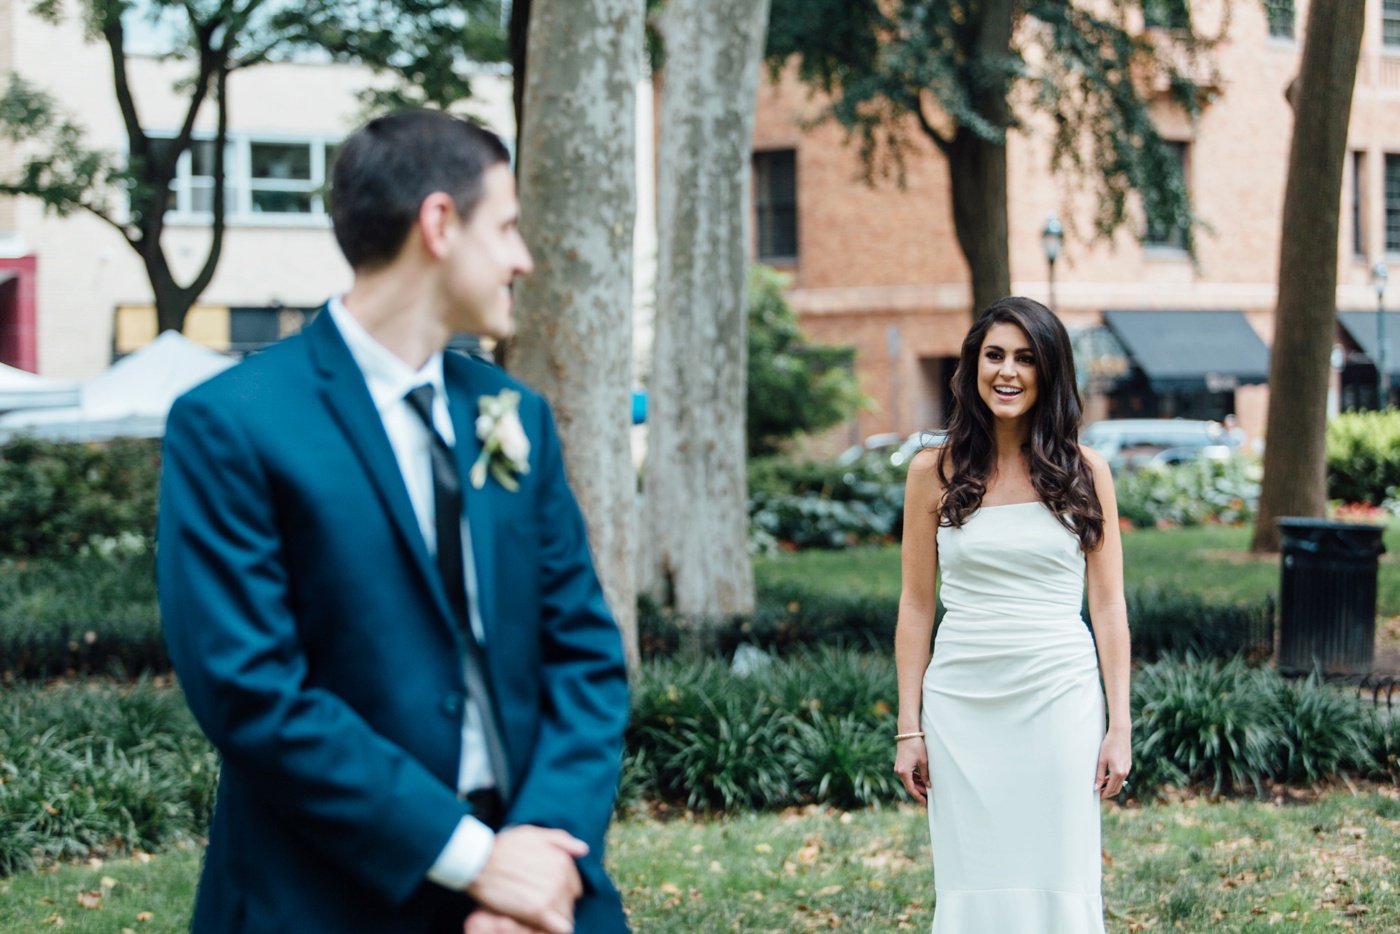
(1003, 733)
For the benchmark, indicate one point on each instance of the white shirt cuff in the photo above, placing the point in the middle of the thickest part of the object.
(465, 855)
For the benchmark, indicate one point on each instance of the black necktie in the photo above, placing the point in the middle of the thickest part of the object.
(447, 511)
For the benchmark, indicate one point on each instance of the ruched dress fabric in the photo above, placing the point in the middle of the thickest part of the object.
(1013, 713)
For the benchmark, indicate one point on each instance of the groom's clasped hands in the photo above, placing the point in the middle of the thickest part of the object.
(529, 883)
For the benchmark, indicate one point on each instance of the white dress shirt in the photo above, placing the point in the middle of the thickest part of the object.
(389, 380)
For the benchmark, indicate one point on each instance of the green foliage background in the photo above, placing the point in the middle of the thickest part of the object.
(1363, 456)
(795, 387)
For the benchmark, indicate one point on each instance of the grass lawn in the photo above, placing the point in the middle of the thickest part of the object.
(1233, 866)
(1211, 561)
(150, 895)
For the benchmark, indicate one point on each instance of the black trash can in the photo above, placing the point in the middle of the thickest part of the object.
(1327, 603)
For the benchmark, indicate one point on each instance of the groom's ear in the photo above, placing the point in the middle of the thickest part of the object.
(437, 223)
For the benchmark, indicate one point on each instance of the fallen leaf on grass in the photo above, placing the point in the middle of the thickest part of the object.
(144, 916)
(90, 898)
(828, 890)
(763, 848)
(56, 920)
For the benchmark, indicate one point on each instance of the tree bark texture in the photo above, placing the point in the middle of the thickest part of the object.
(976, 165)
(696, 512)
(977, 182)
(1295, 473)
(578, 201)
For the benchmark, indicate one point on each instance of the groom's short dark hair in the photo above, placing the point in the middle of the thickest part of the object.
(388, 166)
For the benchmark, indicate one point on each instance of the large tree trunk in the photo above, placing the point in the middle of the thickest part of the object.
(696, 512)
(977, 166)
(1295, 463)
(578, 201)
(977, 181)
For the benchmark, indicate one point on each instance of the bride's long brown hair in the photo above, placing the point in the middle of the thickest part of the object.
(1063, 480)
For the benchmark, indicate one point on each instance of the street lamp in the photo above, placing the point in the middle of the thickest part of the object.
(1379, 275)
(1052, 238)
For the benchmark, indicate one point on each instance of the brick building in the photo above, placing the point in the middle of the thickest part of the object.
(879, 267)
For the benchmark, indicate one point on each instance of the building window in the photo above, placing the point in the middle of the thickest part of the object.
(1390, 23)
(1166, 14)
(1169, 236)
(1280, 13)
(1392, 203)
(1358, 202)
(265, 181)
(775, 196)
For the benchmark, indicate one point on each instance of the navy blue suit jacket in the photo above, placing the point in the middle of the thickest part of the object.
(316, 646)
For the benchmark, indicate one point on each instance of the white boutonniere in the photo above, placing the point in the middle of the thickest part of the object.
(505, 451)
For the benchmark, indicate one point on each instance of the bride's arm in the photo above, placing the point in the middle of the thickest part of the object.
(918, 598)
(1108, 612)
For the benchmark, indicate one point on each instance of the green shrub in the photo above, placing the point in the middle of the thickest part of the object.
(812, 727)
(794, 387)
(86, 615)
(1324, 732)
(1363, 456)
(58, 499)
(827, 682)
(733, 756)
(1192, 493)
(844, 761)
(1167, 622)
(824, 505)
(1382, 732)
(1230, 726)
(786, 618)
(99, 769)
(1206, 722)
(791, 616)
(782, 475)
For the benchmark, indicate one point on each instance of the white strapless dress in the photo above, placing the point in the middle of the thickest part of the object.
(1014, 715)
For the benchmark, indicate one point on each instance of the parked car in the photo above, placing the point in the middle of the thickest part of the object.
(896, 447)
(1129, 443)
(915, 443)
(883, 443)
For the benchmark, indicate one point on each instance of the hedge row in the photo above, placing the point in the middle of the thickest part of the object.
(44, 636)
(99, 768)
(789, 618)
(57, 500)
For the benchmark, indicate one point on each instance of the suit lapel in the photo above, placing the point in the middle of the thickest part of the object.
(463, 393)
(347, 397)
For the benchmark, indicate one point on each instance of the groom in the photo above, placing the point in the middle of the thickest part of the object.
(377, 589)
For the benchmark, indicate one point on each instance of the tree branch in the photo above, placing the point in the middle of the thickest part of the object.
(216, 243)
(209, 59)
(115, 35)
(929, 129)
(123, 229)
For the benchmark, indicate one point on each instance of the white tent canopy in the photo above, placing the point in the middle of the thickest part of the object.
(22, 390)
(130, 399)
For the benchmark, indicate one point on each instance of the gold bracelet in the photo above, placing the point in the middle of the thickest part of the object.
(915, 734)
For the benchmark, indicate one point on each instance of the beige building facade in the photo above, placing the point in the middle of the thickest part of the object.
(878, 267)
(89, 300)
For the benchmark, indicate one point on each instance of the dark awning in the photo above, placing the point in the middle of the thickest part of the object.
(1364, 329)
(1212, 350)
